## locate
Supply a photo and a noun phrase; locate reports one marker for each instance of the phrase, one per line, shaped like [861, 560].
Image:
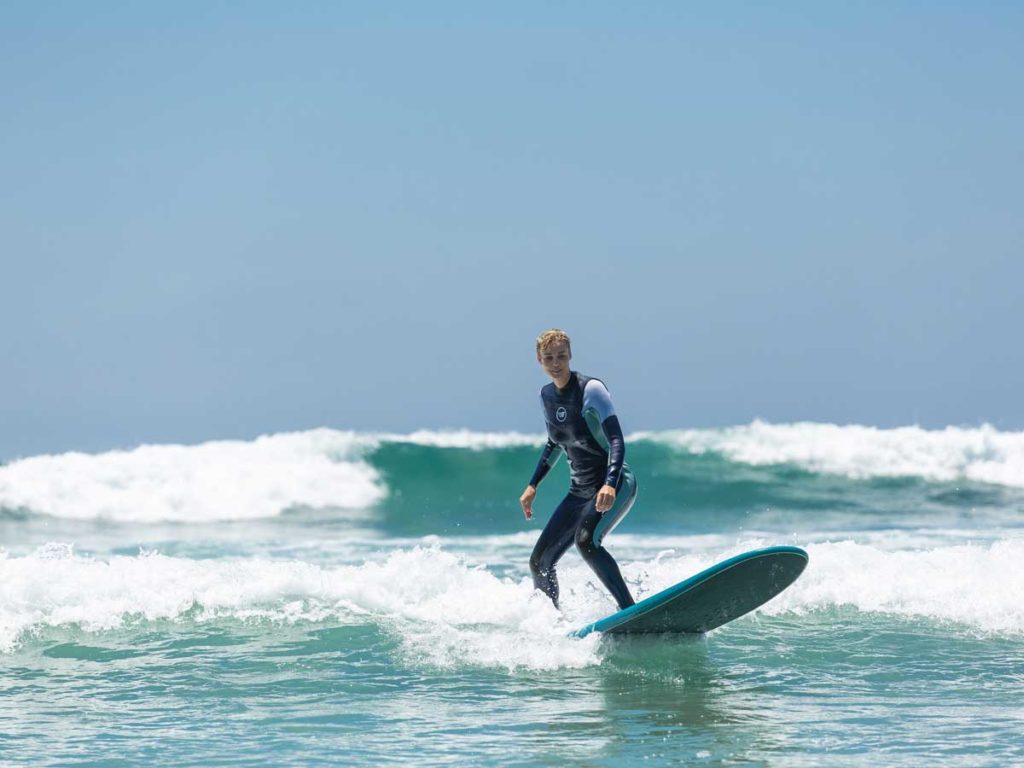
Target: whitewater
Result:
[326, 596]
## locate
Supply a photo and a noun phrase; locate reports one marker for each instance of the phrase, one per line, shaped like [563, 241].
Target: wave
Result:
[446, 609]
[981, 454]
[974, 585]
[978, 586]
[414, 473]
[442, 607]
[220, 480]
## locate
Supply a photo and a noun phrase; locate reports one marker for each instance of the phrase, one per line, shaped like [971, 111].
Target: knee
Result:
[585, 541]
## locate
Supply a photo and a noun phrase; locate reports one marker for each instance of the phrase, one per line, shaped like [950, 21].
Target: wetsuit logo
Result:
[560, 414]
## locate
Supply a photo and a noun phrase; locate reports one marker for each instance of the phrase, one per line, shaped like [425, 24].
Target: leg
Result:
[597, 557]
[554, 540]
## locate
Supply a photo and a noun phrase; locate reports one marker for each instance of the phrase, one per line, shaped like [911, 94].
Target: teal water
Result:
[330, 598]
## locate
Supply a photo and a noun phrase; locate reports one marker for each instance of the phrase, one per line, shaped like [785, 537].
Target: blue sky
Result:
[227, 219]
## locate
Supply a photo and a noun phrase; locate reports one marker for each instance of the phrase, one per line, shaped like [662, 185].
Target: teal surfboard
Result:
[713, 597]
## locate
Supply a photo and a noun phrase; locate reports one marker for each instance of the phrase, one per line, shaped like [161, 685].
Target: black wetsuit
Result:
[581, 422]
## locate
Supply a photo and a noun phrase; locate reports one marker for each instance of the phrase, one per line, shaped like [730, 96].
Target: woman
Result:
[581, 422]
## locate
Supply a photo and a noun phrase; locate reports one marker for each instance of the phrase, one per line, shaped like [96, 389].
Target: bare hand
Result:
[526, 500]
[605, 498]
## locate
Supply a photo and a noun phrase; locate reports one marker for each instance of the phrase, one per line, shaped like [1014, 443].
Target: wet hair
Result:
[553, 336]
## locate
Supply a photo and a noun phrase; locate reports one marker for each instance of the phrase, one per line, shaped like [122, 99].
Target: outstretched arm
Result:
[548, 459]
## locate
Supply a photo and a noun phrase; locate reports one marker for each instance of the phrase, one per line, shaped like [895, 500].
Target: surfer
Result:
[581, 422]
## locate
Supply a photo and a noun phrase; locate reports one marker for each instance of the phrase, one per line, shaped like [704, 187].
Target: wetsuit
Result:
[581, 423]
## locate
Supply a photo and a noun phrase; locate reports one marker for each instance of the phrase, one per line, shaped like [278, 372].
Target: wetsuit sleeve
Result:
[597, 399]
[616, 449]
[548, 459]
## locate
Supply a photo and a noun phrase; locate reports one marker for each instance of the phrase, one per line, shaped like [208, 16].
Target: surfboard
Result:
[711, 598]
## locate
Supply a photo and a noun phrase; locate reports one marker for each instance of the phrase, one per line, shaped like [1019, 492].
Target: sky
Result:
[220, 220]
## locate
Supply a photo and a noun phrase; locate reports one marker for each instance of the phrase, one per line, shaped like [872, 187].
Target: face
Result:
[554, 359]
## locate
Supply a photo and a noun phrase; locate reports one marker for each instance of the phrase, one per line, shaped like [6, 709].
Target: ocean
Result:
[332, 597]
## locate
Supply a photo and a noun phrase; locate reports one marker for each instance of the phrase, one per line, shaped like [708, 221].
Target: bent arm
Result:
[616, 450]
[597, 400]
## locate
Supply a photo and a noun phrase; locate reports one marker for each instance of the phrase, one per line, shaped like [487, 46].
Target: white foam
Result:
[444, 610]
[977, 586]
[220, 480]
[447, 610]
[983, 454]
[464, 438]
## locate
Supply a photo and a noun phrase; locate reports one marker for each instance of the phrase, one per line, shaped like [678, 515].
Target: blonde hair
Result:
[553, 336]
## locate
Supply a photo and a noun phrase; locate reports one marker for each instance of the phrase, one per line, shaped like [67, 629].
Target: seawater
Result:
[331, 597]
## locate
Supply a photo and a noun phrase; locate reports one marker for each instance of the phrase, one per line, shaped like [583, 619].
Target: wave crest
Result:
[325, 468]
[220, 480]
[982, 454]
